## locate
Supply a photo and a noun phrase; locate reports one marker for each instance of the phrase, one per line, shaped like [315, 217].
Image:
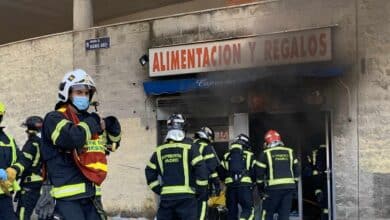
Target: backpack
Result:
[236, 163]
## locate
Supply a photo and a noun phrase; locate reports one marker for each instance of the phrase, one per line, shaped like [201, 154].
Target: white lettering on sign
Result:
[287, 48]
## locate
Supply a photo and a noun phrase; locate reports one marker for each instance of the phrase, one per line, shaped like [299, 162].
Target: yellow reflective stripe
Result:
[314, 157]
[159, 160]
[263, 214]
[202, 146]
[20, 166]
[246, 179]
[281, 181]
[37, 155]
[203, 212]
[290, 153]
[202, 182]
[21, 213]
[152, 165]
[174, 145]
[176, 190]
[186, 168]
[325, 211]
[248, 160]
[114, 138]
[315, 172]
[166, 146]
[12, 145]
[196, 160]
[154, 184]
[259, 181]
[209, 156]
[34, 178]
[68, 190]
[228, 180]
[57, 130]
[98, 190]
[28, 156]
[260, 164]
[295, 161]
[252, 214]
[271, 170]
[238, 146]
[214, 175]
[98, 166]
[317, 191]
[87, 130]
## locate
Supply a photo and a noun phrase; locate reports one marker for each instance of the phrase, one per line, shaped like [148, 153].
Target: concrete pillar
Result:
[82, 14]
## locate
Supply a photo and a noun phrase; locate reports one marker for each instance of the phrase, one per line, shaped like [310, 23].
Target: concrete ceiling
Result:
[22, 19]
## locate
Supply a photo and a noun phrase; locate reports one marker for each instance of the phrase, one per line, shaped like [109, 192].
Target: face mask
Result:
[81, 102]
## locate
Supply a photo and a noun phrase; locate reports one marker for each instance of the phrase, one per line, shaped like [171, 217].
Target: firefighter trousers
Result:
[26, 202]
[177, 209]
[80, 209]
[6, 208]
[240, 195]
[277, 201]
[202, 206]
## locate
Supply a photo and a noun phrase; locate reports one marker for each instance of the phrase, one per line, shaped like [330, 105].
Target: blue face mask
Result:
[81, 102]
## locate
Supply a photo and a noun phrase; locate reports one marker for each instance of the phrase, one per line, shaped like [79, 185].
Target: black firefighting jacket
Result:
[11, 156]
[32, 175]
[278, 168]
[248, 175]
[207, 151]
[181, 169]
[59, 137]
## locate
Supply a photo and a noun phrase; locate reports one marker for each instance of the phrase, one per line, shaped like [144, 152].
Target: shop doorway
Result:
[304, 132]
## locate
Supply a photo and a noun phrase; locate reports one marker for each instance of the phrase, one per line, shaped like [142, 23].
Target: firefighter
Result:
[204, 139]
[238, 174]
[278, 172]
[12, 165]
[317, 160]
[74, 149]
[31, 180]
[182, 172]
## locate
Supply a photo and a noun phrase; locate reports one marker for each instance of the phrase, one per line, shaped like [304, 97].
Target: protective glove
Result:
[3, 175]
[11, 174]
[46, 203]
[112, 125]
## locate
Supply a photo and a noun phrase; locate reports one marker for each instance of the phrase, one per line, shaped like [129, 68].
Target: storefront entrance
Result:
[304, 132]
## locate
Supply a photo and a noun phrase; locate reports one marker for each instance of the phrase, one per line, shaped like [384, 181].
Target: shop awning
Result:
[160, 87]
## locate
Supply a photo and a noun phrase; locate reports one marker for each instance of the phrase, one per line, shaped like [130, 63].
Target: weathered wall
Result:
[29, 75]
[374, 109]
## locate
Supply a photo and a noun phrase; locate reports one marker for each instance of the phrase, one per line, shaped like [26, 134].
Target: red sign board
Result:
[268, 50]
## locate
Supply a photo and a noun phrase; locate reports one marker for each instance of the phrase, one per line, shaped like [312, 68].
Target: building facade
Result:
[335, 85]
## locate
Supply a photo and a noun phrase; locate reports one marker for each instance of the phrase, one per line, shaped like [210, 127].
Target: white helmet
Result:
[75, 78]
